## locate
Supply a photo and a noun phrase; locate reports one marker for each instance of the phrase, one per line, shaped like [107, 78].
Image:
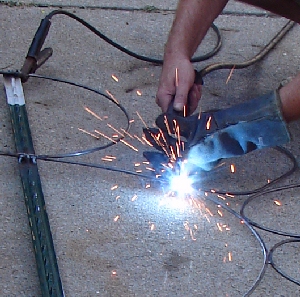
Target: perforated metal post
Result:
[34, 199]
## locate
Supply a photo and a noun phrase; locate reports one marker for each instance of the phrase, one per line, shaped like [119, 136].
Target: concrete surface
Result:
[129, 240]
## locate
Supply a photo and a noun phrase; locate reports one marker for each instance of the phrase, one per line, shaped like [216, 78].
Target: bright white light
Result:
[181, 184]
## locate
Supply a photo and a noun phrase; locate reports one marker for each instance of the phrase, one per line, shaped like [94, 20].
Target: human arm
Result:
[193, 19]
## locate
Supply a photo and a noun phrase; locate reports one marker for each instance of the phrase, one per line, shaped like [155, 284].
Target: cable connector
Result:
[35, 56]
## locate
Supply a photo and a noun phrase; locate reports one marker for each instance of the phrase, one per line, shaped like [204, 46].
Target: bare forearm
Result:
[193, 19]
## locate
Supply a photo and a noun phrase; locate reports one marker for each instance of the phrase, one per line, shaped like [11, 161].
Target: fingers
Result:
[164, 98]
[177, 82]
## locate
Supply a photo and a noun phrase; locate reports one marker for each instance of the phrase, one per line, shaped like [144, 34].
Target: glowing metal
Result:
[91, 134]
[141, 119]
[114, 78]
[112, 97]
[93, 113]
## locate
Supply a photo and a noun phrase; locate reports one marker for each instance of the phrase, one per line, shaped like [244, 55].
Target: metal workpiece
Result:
[32, 188]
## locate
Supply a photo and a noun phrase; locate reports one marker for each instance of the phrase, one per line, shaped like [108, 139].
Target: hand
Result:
[177, 81]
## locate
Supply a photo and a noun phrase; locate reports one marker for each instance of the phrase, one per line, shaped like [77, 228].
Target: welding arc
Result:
[204, 72]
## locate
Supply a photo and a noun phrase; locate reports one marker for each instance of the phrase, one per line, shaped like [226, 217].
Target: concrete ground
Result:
[113, 235]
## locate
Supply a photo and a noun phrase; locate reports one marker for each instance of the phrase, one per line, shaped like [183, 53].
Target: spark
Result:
[147, 142]
[91, 134]
[221, 197]
[177, 130]
[93, 113]
[152, 227]
[184, 111]
[176, 77]
[229, 195]
[207, 218]
[114, 273]
[199, 114]
[141, 119]
[118, 197]
[107, 159]
[229, 257]
[182, 145]
[208, 123]
[230, 74]
[167, 125]
[129, 145]
[134, 198]
[110, 139]
[158, 142]
[148, 186]
[220, 213]
[192, 235]
[116, 218]
[219, 227]
[178, 149]
[232, 168]
[121, 140]
[114, 187]
[209, 212]
[137, 164]
[112, 97]
[139, 93]
[139, 139]
[110, 157]
[114, 78]
[151, 169]
[277, 202]
[139, 171]
[116, 130]
[127, 133]
[172, 153]
[165, 142]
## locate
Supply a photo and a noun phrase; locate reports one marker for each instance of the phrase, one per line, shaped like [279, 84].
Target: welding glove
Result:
[238, 130]
[227, 133]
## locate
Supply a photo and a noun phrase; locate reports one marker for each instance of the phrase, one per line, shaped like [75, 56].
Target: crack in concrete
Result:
[146, 9]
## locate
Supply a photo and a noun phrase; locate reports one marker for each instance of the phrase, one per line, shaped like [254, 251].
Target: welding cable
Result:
[260, 226]
[99, 92]
[204, 57]
[51, 157]
[203, 72]
[275, 266]
[266, 49]
[254, 233]
[258, 192]
[289, 172]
